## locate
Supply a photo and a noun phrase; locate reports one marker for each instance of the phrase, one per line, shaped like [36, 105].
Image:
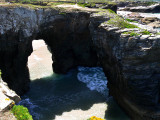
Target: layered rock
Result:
[149, 9]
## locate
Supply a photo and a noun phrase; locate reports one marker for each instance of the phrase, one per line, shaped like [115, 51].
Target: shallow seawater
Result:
[77, 95]
[79, 89]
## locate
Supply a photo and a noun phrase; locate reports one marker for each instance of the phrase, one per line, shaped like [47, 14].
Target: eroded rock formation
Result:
[80, 38]
[131, 64]
[70, 41]
[67, 35]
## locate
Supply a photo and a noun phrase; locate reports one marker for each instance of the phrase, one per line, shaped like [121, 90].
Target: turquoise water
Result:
[79, 89]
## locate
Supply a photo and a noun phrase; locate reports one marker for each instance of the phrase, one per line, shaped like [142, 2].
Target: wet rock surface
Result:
[131, 63]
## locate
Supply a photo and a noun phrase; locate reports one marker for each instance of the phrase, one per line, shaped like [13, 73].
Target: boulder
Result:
[148, 20]
[155, 24]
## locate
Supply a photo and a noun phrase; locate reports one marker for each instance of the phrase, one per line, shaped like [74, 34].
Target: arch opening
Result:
[61, 93]
[60, 96]
[40, 61]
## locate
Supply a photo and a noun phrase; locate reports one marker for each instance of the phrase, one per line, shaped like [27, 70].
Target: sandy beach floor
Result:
[40, 61]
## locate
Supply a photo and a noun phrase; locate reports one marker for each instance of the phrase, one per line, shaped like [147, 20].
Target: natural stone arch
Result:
[70, 41]
[119, 55]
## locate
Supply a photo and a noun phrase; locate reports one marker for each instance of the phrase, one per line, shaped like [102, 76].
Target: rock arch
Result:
[81, 38]
[68, 36]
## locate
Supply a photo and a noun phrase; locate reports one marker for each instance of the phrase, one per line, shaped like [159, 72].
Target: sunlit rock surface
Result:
[8, 97]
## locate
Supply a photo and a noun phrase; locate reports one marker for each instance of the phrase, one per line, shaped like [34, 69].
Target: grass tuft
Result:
[131, 33]
[120, 22]
[111, 11]
[21, 112]
[129, 20]
[145, 32]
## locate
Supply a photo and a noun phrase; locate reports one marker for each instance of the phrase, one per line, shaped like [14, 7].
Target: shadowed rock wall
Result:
[70, 41]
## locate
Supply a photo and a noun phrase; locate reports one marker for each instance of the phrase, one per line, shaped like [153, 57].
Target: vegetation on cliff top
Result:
[141, 32]
[21, 112]
[93, 4]
[120, 22]
[129, 20]
[117, 21]
[145, 32]
[131, 33]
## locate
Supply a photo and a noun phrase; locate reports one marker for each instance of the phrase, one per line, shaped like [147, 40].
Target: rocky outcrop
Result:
[149, 9]
[131, 63]
[155, 24]
[112, 6]
[148, 20]
[19, 26]
[71, 33]
[135, 3]
[8, 97]
[151, 21]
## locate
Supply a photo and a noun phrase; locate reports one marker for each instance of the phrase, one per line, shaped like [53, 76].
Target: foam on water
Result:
[94, 78]
[68, 92]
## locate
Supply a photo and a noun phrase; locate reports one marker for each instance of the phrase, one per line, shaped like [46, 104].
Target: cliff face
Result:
[131, 64]
[80, 38]
[67, 35]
